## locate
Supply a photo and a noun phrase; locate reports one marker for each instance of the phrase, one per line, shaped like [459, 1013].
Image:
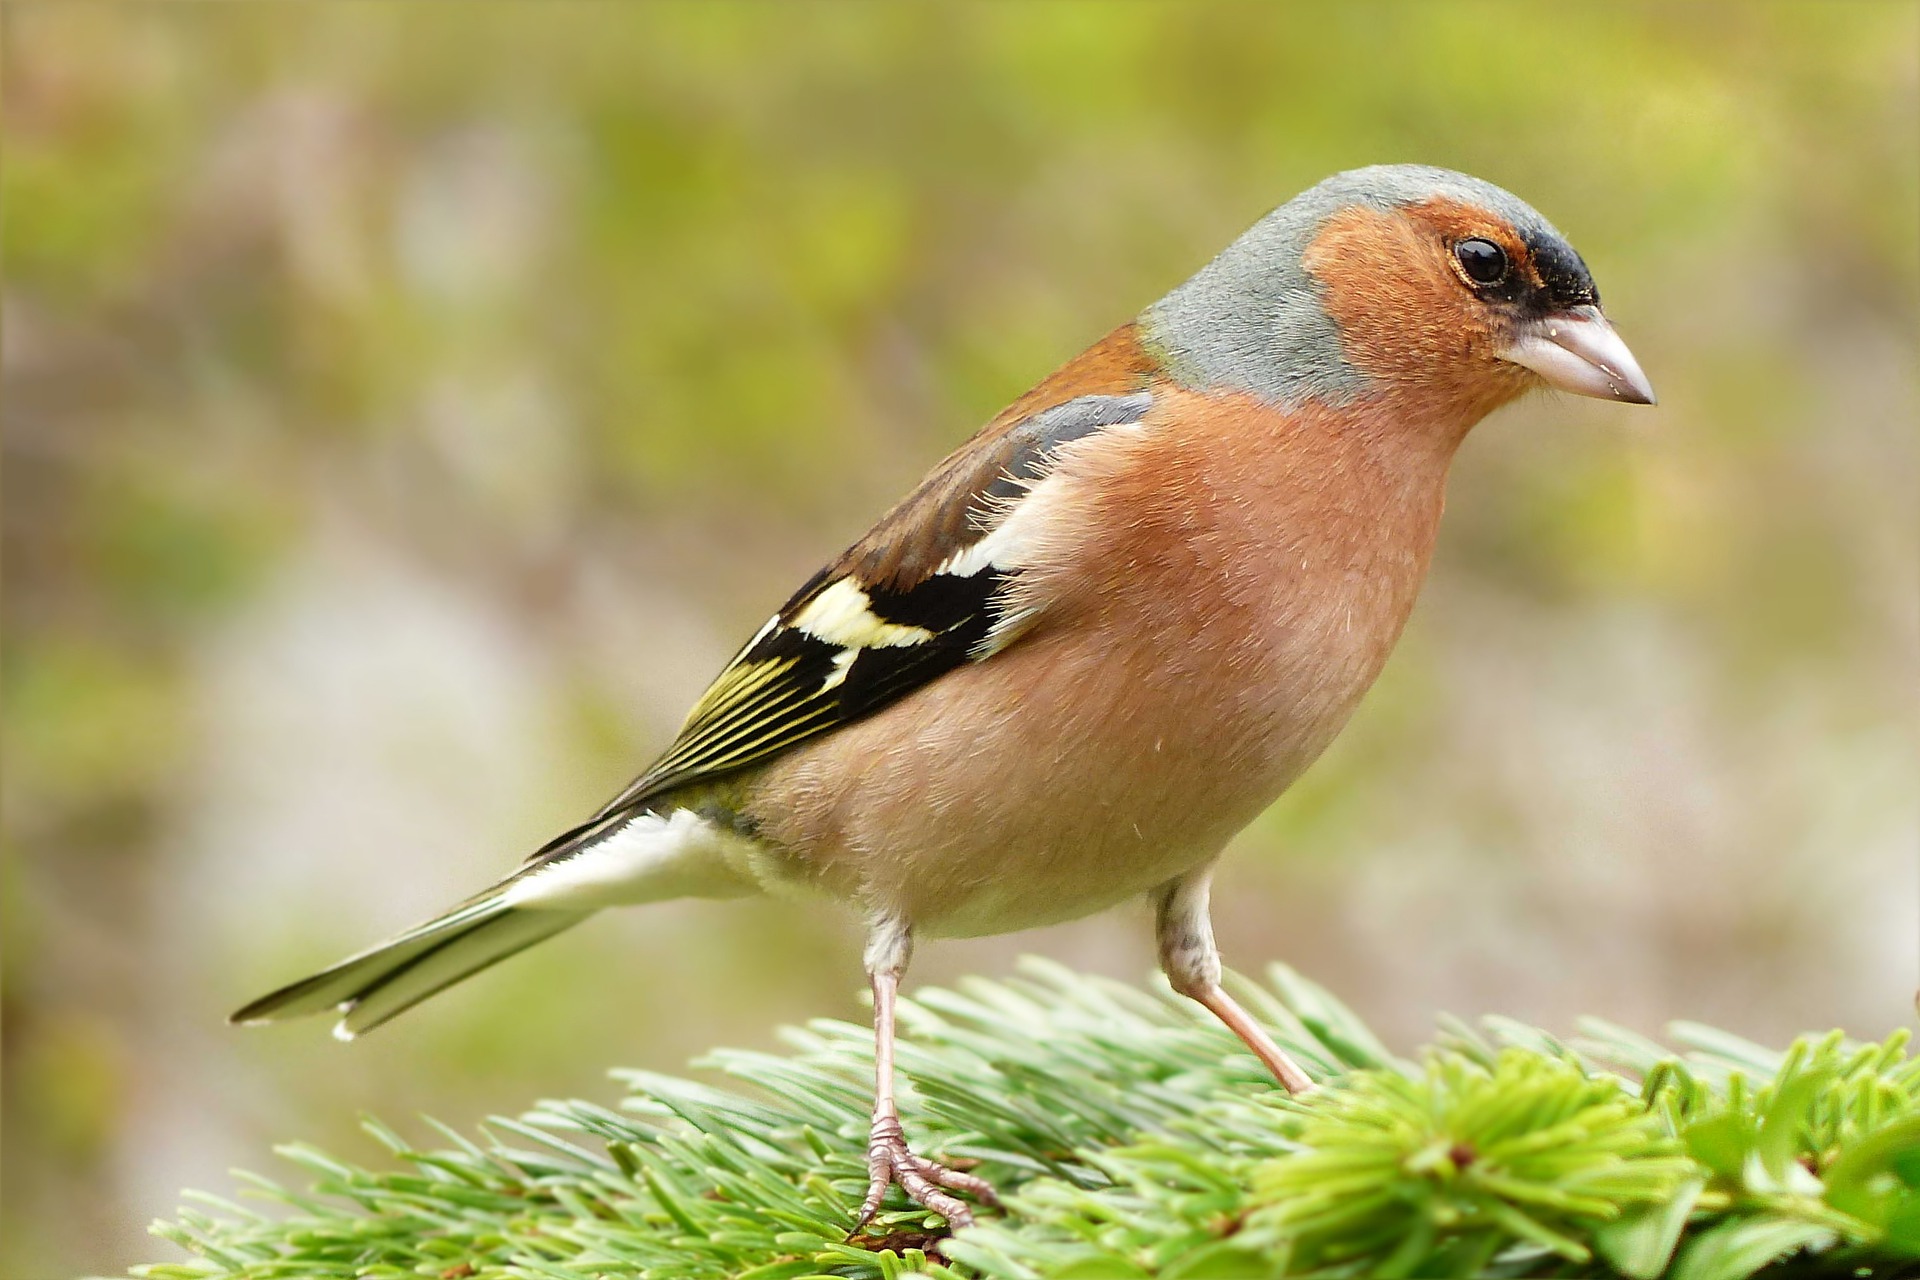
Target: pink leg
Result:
[1192, 965]
[889, 1159]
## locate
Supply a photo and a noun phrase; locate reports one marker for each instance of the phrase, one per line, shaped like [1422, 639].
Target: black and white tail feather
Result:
[384, 981]
[928, 589]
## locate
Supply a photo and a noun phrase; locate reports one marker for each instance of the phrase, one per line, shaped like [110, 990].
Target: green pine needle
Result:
[1132, 1137]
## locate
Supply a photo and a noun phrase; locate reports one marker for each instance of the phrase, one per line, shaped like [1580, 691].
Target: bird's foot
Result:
[925, 1182]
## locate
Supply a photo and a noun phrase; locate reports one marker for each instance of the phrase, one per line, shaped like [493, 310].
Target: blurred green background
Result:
[409, 406]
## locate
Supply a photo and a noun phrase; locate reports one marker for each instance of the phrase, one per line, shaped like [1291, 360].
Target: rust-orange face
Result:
[1446, 293]
[1440, 290]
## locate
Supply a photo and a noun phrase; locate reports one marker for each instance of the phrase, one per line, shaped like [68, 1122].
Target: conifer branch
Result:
[1135, 1138]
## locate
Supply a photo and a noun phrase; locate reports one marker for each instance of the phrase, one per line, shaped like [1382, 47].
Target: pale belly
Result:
[1043, 785]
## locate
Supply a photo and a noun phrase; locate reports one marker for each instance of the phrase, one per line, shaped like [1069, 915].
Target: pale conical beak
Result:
[1579, 351]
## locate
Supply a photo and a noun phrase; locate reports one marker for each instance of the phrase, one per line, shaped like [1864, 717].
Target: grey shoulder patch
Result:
[1035, 439]
[854, 638]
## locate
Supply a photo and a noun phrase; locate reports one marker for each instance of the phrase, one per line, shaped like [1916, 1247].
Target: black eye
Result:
[1484, 261]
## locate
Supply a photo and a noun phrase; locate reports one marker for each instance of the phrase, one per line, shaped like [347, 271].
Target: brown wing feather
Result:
[938, 518]
[906, 622]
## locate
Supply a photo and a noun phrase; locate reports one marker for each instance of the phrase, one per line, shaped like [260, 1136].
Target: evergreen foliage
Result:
[1133, 1138]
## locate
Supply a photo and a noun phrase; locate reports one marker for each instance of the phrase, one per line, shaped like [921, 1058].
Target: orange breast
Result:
[1217, 590]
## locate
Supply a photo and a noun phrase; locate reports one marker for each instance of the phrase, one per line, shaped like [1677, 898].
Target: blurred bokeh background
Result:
[409, 406]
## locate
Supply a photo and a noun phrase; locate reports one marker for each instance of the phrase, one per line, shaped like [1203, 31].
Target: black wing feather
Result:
[789, 685]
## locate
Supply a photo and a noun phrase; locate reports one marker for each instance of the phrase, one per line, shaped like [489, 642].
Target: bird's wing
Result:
[923, 592]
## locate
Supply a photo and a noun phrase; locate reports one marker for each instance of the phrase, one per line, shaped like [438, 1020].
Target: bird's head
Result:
[1398, 280]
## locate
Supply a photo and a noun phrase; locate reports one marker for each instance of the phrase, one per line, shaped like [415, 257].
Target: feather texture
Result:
[1102, 634]
[928, 589]
[627, 859]
[389, 979]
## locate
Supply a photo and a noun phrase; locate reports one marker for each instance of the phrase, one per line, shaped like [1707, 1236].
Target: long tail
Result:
[385, 981]
[619, 857]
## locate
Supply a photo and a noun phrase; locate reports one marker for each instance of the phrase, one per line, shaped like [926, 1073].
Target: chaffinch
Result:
[1100, 637]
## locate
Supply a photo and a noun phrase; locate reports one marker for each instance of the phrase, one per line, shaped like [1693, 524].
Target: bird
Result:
[1096, 640]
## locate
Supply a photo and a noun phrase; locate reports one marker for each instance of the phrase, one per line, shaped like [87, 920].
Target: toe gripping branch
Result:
[889, 1160]
[925, 1181]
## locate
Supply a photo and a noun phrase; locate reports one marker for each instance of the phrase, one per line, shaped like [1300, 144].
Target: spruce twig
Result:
[1135, 1138]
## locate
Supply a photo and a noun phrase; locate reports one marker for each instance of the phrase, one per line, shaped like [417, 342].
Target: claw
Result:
[889, 1160]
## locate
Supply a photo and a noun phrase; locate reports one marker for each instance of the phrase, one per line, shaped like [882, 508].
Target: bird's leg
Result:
[888, 1158]
[1192, 965]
